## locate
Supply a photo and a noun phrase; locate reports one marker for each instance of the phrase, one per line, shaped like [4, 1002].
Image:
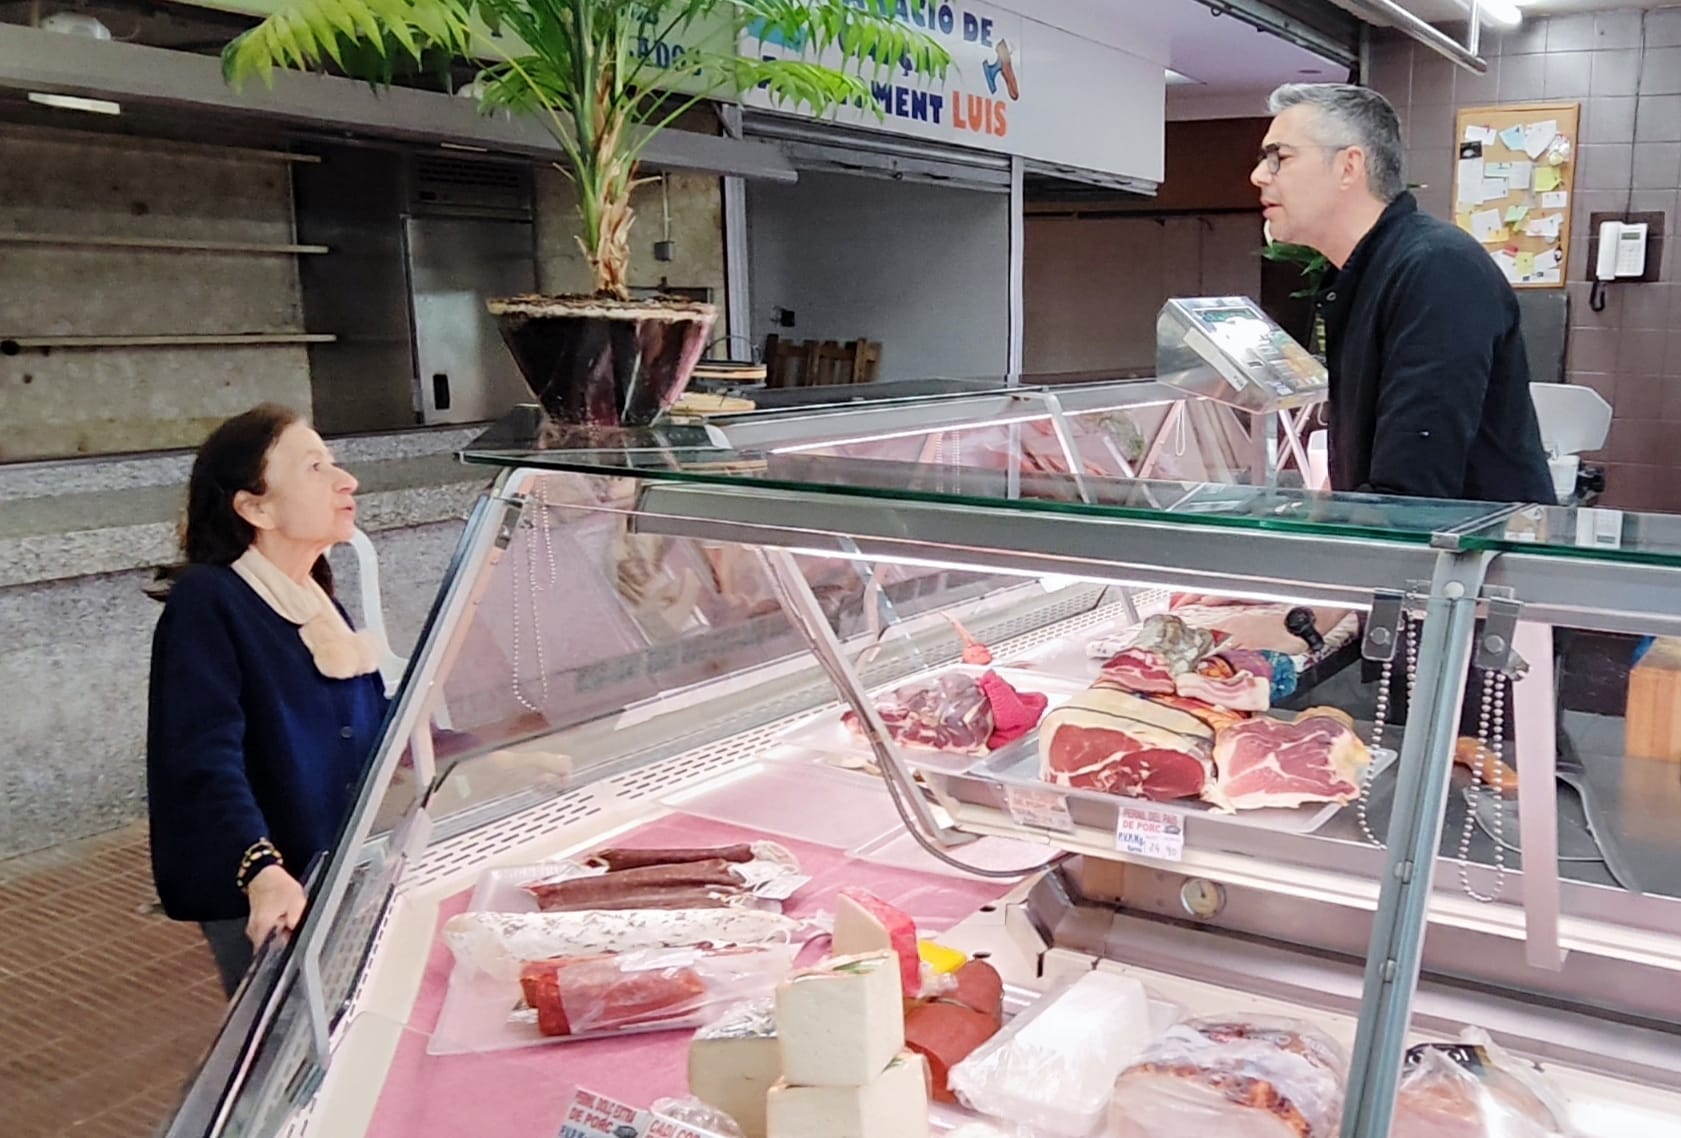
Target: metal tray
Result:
[1018, 765]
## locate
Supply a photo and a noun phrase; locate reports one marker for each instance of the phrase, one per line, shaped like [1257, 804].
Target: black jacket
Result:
[244, 740]
[1429, 388]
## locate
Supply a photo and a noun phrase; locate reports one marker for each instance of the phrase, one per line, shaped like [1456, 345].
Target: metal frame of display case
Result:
[1450, 576]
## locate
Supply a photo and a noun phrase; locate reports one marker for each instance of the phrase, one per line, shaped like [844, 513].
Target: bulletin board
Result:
[1513, 185]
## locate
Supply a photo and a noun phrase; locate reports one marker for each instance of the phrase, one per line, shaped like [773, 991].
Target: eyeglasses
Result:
[1274, 154]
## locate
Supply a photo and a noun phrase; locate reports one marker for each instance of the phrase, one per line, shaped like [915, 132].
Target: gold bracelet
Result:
[261, 851]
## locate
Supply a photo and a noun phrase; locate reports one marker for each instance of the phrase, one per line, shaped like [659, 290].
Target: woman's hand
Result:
[277, 903]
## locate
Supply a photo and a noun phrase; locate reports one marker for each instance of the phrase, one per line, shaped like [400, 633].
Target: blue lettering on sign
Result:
[911, 103]
[663, 54]
[976, 30]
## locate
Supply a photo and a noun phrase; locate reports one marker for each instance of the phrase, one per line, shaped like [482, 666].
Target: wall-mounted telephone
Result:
[1622, 250]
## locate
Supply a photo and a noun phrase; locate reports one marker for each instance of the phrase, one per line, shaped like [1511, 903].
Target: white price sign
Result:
[590, 1115]
[1041, 809]
[1158, 834]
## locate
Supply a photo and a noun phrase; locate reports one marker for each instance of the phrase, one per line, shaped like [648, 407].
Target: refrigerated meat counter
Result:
[671, 644]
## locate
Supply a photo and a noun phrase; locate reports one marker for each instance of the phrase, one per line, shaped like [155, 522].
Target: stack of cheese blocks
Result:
[829, 1059]
[845, 1071]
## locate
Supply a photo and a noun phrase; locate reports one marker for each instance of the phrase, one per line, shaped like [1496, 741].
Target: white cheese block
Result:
[857, 931]
[841, 1023]
[894, 1105]
[734, 1062]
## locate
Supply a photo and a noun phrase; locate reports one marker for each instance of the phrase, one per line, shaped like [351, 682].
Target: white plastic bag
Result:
[1474, 1089]
[1053, 1068]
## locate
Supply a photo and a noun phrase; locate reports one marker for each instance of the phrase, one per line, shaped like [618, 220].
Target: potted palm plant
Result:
[603, 77]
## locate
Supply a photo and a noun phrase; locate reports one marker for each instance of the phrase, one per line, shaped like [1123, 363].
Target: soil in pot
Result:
[604, 363]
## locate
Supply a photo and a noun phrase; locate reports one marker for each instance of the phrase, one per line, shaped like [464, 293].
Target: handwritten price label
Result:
[1158, 834]
[1041, 809]
[590, 1115]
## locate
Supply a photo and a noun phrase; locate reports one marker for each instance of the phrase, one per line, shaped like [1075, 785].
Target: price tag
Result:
[1041, 809]
[1158, 834]
[590, 1115]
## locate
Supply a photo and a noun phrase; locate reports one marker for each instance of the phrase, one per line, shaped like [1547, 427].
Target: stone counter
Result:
[78, 543]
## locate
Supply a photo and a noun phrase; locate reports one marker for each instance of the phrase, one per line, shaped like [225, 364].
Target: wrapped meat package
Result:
[1231, 1078]
[655, 990]
[1473, 1089]
[1053, 1068]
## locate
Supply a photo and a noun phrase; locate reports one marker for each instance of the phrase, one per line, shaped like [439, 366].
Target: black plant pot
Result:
[604, 363]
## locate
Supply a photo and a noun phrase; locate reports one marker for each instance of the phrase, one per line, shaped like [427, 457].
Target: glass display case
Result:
[677, 641]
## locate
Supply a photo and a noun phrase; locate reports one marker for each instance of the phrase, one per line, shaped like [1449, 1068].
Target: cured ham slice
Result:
[1116, 743]
[1137, 670]
[1244, 691]
[1267, 762]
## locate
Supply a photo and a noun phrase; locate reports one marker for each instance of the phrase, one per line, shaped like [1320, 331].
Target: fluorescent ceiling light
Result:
[76, 103]
[1175, 79]
[1500, 13]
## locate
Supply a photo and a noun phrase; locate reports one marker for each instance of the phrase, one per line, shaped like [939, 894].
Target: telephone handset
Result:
[1622, 250]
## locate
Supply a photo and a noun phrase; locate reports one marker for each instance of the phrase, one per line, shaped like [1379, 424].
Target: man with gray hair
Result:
[1429, 381]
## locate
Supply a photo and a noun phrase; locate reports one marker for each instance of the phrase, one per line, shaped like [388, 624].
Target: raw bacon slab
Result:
[1244, 691]
[1115, 743]
[1267, 762]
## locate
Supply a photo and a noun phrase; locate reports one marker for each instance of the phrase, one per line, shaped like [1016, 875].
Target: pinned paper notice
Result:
[1470, 175]
[1547, 227]
[1513, 137]
[1496, 169]
[1485, 225]
[1494, 189]
[1525, 264]
[1522, 173]
[1516, 213]
[1508, 264]
[1558, 199]
[1548, 261]
[1550, 276]
[1546, 180]
[1482, 135]
[1538, 136]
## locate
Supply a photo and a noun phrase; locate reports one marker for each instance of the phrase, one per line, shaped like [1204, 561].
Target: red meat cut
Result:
[950, 714]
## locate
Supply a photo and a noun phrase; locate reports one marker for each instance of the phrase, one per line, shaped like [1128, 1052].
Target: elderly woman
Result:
[264, 704]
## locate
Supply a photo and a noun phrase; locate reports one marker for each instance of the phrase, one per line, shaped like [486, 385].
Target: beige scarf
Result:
[339, 652]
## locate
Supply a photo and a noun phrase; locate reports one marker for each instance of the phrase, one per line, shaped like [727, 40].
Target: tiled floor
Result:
[105, 1006]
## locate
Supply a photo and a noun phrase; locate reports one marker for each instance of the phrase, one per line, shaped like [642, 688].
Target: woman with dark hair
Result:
[264, 705]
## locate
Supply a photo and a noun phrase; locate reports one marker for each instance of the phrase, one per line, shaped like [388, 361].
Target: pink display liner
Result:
[522, 1094]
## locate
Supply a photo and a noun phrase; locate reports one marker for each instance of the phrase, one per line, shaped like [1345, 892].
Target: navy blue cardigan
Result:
[244, 740]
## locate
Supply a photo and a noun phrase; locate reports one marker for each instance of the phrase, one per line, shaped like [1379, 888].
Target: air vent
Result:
[466, 188]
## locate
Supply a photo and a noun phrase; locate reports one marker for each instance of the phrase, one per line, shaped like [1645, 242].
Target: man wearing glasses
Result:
[1429, 392]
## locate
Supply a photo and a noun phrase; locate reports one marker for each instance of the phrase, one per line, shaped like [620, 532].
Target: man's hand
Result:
[277, 903]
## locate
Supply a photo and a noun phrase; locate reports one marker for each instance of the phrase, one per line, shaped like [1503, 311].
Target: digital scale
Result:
[1226, 349]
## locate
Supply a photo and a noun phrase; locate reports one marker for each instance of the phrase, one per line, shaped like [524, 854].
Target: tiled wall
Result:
[1629, 352]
